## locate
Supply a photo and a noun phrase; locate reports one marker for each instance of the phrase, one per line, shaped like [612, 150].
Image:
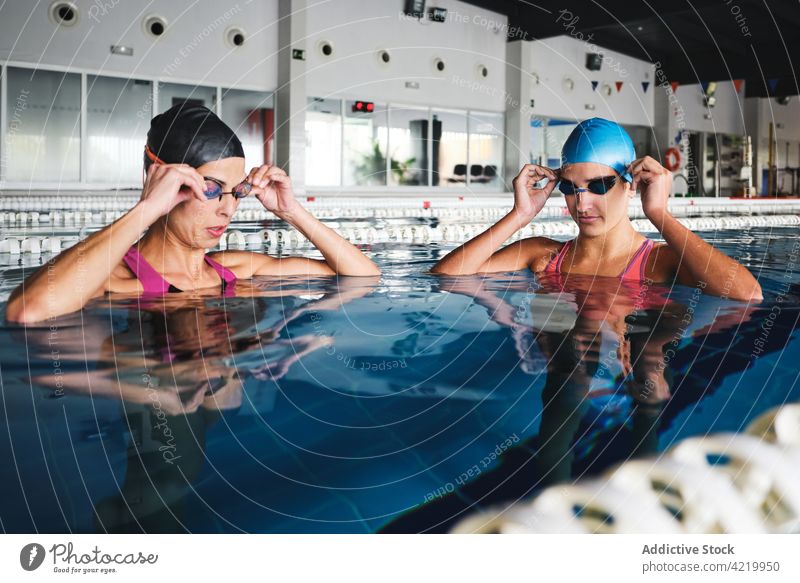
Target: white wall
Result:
[556, 59]
[357, 30]
[193, 48]
[726, 117]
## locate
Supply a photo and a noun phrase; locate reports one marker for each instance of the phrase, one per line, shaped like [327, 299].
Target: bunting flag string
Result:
[773, 84]
[645, 85]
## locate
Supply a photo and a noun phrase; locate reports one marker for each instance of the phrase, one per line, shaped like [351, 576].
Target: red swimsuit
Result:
[644, 293]
[634, 271]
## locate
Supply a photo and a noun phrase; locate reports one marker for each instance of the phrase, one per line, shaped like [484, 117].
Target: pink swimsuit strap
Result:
[634, 270]
[153, 282]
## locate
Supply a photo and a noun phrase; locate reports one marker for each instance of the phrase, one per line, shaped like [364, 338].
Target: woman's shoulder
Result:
[541, 250]
[542, 244]
[122, 280]
[663, 263]
[242, 263]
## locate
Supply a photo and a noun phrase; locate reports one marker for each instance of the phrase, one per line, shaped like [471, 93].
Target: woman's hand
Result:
[273, 188]
[656, 184]
[168, 185]
[529, 201]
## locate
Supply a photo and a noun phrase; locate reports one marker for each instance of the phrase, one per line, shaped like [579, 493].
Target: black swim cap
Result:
[191, 134]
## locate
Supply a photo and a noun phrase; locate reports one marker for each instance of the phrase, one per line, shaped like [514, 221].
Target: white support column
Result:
[3, 105]
[290, 97]
[84, 137]
[519, 67]
[154, 109]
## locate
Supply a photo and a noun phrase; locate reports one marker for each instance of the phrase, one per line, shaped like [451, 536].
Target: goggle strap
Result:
[153, 158]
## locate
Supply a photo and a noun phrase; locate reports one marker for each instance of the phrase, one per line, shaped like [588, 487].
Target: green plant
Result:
[371, 168]
[399, 169]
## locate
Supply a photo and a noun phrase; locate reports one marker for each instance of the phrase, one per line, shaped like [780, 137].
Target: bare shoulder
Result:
[541, 250]
[242, 263]
[121, 280]
[663, 263]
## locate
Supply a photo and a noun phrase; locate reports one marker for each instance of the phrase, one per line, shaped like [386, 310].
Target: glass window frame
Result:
[155, 81]
[430, 110]
[82, 183]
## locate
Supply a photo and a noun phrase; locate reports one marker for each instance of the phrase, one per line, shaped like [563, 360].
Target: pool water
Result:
[398, 404]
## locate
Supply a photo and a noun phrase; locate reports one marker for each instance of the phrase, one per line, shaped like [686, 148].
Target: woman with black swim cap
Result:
[195, 176]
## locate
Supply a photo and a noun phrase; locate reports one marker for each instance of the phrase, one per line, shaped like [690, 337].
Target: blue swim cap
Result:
[601, 141]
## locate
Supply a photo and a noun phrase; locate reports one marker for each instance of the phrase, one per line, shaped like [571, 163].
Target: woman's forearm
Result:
[721, 275]
[65, 283]
[341, 255]
[469, 257]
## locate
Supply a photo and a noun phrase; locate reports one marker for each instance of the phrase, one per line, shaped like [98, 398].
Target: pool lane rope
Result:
[67, 209]
[722, 483]
[272, 239]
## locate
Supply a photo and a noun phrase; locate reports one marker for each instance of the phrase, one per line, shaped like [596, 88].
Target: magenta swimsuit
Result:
[154, 283]
[155, 286]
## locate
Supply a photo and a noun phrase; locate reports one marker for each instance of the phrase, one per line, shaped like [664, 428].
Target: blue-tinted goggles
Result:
[213, 190]
[597, 186]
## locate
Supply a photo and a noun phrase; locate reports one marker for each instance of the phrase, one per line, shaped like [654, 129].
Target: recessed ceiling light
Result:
[121, 50]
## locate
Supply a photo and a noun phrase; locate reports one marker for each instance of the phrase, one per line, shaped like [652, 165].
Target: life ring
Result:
[672, 159]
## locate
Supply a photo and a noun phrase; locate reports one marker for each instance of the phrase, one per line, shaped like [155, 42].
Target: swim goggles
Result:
[213, 189]
[597, 186]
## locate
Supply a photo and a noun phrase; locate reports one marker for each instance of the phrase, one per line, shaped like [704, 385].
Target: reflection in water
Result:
[176, 365]
[336, 405]
[604, 346]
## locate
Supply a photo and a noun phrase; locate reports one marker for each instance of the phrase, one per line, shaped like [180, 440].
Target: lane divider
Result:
[722, 483]
[445, 233]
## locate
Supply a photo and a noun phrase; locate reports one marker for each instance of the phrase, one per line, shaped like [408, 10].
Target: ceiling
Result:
[695, 41]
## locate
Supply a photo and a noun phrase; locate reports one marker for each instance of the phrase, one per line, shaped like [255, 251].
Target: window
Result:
[41, 140]
[408, 146]
[170, 94]
[424, 147]
[43, 128]
[323, 142]
[538, 146]
[118, 113]
[450, 149]
[364, 146]
[555, 134]
[251, 115]
[486, 149]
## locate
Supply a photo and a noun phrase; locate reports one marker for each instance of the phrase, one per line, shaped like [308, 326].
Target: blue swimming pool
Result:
[394, 405]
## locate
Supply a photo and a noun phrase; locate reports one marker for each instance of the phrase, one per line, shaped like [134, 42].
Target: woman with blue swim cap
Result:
[598, 176]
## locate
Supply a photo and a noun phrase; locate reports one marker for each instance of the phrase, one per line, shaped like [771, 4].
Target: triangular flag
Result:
[737, 84]
[704, 86]
[645, 85]
[619, 86]
[674, 86]
[773, 84]
[594, 85]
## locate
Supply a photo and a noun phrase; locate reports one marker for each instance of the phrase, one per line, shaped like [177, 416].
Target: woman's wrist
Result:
[145, 212]
[657, 217]
[293, 214]
[522, 218]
